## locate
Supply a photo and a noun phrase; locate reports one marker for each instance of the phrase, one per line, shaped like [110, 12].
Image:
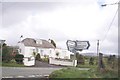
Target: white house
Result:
[43, 47]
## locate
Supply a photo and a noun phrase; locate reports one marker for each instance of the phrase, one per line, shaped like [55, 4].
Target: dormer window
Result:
[38, 41]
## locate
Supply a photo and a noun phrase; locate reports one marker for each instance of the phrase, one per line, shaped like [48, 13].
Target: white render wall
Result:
[21, 48]
[46, 51]
[30, 62]
[29, 51]
[62, 62]
[64, 54]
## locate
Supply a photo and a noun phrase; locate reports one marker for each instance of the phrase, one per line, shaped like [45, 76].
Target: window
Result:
[50, 51]
[29, 59]
[38, 41]
[33, 50]
[41, 52]
[20, 50]
[36, 49]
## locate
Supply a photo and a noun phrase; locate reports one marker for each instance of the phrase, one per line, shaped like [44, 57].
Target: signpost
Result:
[71, 45]
[77, 45]
[74, 46]
[82, 45]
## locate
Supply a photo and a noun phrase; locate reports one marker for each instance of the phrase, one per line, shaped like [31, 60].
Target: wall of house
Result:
[45, 52]
[29, 60]
[29, 51]
[64, 54]
[21, 48]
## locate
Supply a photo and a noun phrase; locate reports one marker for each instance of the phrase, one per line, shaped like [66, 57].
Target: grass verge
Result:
[76, 73]
[12, 64]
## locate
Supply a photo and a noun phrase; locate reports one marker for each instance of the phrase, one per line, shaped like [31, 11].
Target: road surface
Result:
[29, 72]
[26, 72]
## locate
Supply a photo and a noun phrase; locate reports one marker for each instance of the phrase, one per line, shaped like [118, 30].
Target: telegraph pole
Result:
[97, 47]
[97, 53]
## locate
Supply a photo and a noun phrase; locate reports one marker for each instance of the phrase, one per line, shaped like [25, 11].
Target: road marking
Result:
[31, 76]
[20, 76]
[46, 75]
[38, 75]
[8, 77]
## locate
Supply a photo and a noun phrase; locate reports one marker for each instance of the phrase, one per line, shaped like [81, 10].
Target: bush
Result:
[111, 61]
[19, 58]
[91, 61]
[80, 59]
[45, 60]
[38, 57]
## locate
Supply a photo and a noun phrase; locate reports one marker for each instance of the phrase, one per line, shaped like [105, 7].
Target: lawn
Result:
[12, 64]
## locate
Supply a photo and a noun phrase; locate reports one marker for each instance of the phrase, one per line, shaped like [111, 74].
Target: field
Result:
[111, 71]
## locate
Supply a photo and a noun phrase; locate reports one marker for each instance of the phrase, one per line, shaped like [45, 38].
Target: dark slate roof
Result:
[32, 43]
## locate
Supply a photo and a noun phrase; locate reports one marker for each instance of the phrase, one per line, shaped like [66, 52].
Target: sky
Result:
[83, 20]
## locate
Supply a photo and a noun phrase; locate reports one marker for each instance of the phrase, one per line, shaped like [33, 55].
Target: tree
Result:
[6, 53]
[57, 54]
[53, 43]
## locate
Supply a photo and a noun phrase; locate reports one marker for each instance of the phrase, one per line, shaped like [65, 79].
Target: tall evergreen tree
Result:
[53, 42]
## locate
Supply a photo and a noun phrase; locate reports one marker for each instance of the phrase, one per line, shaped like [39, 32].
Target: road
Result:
[29, 72]
[26, 72]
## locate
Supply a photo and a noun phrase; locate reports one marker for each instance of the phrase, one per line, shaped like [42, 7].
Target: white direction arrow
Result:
[71, 43]
[82, 45]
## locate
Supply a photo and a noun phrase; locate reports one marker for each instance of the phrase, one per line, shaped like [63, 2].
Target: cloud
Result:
[60, 21]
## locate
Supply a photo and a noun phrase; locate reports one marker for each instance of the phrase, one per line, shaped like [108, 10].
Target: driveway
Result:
[44, 64]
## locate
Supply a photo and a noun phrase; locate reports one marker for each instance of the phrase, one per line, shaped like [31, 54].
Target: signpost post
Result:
[74, 46]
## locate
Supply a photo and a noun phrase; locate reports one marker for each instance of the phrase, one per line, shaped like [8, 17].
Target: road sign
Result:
[77, 45]
[71, 45]
[82, 45]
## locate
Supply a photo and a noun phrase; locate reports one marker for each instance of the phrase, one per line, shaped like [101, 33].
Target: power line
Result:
[109, 26]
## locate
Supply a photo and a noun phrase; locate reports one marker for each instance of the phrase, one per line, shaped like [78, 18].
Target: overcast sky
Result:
[61, 21]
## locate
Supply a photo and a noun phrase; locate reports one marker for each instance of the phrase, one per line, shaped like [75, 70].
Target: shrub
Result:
[112, 61]
[45, 60]
[91, 61]
[80, 59]
[38, 57]
[19, 58]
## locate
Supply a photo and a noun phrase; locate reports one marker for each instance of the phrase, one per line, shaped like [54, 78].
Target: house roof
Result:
[32, 43]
